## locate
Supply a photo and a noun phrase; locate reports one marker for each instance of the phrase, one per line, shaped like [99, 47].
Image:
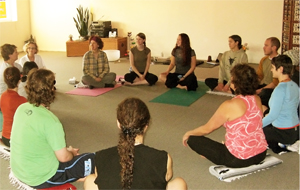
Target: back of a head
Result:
[285, 62]
[245, 79]
[28, 65]
[40, 87]
[133, 116]
[11, 77]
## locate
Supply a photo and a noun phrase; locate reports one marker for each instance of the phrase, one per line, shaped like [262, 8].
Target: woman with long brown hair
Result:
[184, 59]
[131, 164]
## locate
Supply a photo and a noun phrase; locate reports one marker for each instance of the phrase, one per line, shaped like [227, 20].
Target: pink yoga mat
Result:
[93, 92]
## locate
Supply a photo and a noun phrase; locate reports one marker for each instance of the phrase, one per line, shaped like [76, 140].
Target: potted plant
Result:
[82, 22]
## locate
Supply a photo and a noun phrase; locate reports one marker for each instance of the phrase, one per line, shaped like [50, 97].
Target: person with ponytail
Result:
[140, 59]
[131, 164]
[230, 58]
[26, 68]
[184, 59]
[10, 101]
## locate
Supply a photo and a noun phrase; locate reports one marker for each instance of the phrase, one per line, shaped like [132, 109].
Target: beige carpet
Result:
[90, 124]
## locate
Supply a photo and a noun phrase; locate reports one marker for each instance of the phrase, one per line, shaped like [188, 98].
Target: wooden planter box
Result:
[79, 48]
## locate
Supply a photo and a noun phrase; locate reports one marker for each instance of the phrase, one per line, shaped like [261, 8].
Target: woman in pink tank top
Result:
[241, 116]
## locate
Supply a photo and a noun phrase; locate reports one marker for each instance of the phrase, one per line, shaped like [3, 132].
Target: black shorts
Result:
[79, 167]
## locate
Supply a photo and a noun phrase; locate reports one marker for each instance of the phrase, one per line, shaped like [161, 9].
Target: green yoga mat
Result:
[176, 96]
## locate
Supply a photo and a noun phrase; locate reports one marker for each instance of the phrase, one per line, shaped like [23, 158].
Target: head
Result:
[235, 41]
[183, 42]
[271, 46]
[96, 42]
[40, 87]
[31, 48]
[282, 64]
[133, 118]
[12, 77]
[244, 79]
[26, 68]
[141, 39]
[9, 52]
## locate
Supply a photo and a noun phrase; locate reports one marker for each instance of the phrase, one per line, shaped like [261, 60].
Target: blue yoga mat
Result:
[176, 96]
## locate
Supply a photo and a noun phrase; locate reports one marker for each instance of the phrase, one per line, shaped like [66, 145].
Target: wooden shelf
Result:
[79, 48]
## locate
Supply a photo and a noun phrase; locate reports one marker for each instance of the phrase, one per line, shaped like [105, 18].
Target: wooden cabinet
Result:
[290, 25]
[79, 48]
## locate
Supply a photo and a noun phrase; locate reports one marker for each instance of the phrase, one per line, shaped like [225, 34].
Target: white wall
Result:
[207, 22]
[17, 32]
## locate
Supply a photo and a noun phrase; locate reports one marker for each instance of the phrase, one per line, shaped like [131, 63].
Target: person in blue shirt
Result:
[281, 124]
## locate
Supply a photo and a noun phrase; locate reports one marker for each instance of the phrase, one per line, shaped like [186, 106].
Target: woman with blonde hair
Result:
[31, 50]
[131, 164]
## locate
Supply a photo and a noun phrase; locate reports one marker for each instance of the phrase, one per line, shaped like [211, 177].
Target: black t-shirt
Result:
[149, 169]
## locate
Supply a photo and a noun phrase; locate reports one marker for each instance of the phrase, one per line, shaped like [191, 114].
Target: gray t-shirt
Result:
[140, 58]
[181, 69]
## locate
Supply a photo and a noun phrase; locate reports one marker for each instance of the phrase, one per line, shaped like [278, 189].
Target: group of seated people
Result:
[36, 136]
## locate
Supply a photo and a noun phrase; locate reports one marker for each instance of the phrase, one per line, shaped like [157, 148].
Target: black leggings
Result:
[150, 78]
[284, 136]
[212, 83]
[219, 154]
[190, 81]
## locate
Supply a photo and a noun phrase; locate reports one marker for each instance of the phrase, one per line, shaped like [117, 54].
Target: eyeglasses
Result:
[31, 48]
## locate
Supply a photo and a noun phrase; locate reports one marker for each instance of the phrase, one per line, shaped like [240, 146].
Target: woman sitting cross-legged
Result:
[96, 71]
[245, 142]
[281, 125]
[184, 59]
[131, 164]
[140, 58]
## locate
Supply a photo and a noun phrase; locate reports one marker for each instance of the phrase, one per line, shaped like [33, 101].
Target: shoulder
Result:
[37, 56]
[147, 50]
[193, 52]
[151, 151]
[107, 151]
[263, 59]
[133, 49]
[24, 58]
[18, 66]
[87, 53]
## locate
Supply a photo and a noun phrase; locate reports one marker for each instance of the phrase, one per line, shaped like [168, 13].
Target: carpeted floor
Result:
[90, 125]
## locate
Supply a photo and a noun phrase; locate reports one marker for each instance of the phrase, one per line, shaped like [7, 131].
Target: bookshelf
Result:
[290, 25]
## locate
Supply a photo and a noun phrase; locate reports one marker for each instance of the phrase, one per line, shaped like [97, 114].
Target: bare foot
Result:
[203, 157]
[181, 87]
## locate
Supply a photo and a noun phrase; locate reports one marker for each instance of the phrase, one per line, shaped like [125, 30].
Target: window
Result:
[8, 10]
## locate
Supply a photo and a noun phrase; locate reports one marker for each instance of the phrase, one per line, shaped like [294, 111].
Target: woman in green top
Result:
[140, 59]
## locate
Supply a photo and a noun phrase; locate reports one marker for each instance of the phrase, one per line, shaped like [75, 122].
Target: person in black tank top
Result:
[131, 164]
